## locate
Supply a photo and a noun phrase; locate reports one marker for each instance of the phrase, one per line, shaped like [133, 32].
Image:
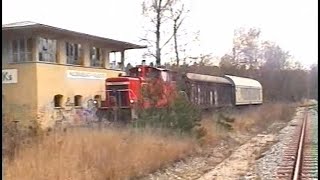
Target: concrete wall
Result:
[20, 99]
[52, 80]
[38, 82]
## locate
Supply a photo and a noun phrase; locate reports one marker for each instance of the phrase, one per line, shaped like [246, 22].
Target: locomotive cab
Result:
[124, 92]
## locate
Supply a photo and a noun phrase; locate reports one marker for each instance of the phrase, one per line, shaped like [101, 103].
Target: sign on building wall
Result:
[9, 76]
[85, 75]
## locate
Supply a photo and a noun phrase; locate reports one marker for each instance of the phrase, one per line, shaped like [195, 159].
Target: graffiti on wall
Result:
[69, 114]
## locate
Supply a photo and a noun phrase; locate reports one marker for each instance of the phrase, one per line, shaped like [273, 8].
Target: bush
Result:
[18, 134]
[180, 116]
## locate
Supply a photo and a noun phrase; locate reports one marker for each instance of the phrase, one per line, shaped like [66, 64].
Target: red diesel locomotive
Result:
[125, 94]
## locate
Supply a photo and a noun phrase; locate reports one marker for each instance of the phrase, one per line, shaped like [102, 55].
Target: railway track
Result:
[301, 154]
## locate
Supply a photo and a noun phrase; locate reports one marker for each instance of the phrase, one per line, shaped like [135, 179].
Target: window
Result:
[58, 100]
[73, 53]
[165, 76]
[95, 57]
[47, 50]
[21, 50]
[78, 100]
[114, 57]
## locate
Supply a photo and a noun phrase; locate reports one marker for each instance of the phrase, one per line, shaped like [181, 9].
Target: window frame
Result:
[49, 51]
[77, 101]
[26, 53]
[97, 52]
[58, 99]
[75, 57]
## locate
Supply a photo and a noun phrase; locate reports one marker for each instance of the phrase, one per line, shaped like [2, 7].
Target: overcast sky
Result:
[293, 24]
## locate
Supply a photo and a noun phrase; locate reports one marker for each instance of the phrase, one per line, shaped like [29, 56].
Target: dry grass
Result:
[87, 154]
[124, 153]
[210, 132]
[262, 116]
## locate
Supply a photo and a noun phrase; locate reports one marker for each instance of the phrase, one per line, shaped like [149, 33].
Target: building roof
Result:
[207, 78]
[240, 81]
[28, 24]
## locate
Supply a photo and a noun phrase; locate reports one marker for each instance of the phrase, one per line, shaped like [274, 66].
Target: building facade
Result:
[54, 75]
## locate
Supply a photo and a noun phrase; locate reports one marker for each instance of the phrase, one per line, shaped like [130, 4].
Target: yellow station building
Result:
[54, 75]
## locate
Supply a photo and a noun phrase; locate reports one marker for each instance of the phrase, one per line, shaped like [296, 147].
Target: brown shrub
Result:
[262, 116]
[210, 132]
[16, 135]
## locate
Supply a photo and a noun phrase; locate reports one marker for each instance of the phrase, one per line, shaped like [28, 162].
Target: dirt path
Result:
[194, 167]
[240, 161]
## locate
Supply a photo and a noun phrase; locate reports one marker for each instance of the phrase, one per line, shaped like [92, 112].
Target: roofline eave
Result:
[122, 45]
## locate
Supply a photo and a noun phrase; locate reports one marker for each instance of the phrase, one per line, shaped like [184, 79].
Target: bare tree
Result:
[274, 56]
[246, 46]
[157, 11]
[313, 81]
[178, 14]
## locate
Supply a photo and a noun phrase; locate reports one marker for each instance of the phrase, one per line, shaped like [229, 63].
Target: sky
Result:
[292, 24]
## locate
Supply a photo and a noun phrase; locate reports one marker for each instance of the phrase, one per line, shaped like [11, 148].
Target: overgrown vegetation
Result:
[16, 135]
[260, 118]
[180, 116]
[123, 153]
[94, 154]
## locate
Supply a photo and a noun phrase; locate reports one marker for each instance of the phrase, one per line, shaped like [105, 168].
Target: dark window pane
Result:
[22, 45]
[15, 57]
[29, 45]
[14, 46]
[45, 45]
[98, 53]
[67, 48]
[41, 56]
[22, 57]
[76, 51]
[71, 50]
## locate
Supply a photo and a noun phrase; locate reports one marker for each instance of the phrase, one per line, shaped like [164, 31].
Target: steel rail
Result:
[298, 162]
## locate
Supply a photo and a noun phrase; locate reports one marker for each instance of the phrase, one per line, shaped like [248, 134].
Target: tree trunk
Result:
[175, 28]
[158, 50]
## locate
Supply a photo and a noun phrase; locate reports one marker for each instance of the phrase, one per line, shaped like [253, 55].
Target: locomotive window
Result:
[134, 72]
[173, 76]
[153, 74]
[165, 76]
[77, 100]
[58, 100]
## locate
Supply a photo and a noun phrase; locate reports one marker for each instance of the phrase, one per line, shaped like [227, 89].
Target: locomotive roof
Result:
[207, 78]
[241, 81]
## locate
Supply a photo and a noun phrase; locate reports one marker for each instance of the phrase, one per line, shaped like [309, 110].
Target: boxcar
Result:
[208, 91]
[246, 91]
